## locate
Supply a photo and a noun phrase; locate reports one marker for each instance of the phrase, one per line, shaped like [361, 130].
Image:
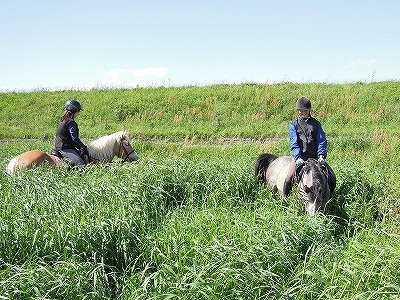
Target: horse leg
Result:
[288, 184]
[331, 178]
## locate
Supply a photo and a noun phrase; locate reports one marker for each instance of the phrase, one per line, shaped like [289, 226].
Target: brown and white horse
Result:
[103, 149]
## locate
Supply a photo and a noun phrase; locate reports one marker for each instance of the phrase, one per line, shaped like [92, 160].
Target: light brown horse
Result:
[103, 149]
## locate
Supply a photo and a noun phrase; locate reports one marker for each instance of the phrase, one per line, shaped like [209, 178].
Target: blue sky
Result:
[60, 44]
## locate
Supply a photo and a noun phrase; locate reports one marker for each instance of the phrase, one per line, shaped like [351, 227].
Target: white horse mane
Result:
[103, 148]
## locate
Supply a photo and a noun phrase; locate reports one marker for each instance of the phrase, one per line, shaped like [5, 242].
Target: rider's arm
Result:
[294, 145]
[74, 135]
[321, 141]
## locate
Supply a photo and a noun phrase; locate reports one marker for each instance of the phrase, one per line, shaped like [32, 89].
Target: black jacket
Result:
[67, 136]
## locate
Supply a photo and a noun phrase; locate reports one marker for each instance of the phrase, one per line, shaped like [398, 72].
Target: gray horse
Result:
[316, 182]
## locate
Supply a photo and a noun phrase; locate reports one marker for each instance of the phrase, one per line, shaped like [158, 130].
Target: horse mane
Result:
[103, 148]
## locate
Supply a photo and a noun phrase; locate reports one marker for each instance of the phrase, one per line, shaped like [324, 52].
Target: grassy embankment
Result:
[187, 220]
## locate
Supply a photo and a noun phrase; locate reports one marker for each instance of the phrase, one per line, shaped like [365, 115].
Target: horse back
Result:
[27, 160]
[33, 157]
[279, 175]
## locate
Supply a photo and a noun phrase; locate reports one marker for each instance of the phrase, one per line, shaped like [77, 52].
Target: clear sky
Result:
[61, 44]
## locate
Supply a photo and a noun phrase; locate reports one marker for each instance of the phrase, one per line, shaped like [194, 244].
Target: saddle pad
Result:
[58, 161]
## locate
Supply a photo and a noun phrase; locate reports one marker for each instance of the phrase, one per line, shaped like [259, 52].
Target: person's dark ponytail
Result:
[67, 115]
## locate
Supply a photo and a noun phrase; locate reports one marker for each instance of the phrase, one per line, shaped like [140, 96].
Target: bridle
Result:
[124, 145]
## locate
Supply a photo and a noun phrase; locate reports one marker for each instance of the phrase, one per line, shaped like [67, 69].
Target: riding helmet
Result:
[72, 105]
[303, 103]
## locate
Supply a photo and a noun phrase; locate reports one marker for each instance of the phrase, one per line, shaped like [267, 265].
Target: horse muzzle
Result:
[310, 208]
[132, 157]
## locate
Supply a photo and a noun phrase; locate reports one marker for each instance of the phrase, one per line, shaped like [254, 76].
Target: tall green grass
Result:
[188, 221]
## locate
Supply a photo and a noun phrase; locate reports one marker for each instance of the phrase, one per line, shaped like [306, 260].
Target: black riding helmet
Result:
[303, 104]
[73, 106]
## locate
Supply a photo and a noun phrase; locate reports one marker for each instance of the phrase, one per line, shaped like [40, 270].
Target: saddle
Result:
[86, 159]
[55, 153]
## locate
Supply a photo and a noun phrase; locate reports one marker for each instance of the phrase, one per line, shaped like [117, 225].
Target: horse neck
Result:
[310, 173]
[104, 149]
[314, 175]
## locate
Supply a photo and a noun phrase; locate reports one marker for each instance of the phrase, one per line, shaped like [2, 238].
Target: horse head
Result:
[313, 186]
[126, 151]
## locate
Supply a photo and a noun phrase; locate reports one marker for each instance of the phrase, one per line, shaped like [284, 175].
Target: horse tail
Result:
[262, 163]
[11, 167]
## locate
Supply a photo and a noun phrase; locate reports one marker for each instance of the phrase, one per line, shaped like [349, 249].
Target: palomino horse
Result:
[103, 149]
[316, 182]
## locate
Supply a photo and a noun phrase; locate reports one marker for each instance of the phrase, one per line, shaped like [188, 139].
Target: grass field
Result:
[188, 221]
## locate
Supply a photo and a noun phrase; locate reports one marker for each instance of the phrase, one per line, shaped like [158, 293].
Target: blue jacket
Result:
[307, 139]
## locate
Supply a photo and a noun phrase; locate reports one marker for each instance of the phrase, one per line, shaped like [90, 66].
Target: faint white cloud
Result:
[115, 72]
[120, 72]
[360, 62]
[115, 83]
[159, 72]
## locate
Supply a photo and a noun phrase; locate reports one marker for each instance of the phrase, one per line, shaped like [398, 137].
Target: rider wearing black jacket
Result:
[67, 141]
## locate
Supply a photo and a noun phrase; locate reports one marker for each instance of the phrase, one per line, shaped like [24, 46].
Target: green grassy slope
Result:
[247, 110]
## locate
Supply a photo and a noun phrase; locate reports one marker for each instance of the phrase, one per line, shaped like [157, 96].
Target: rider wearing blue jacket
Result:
[307, 138]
